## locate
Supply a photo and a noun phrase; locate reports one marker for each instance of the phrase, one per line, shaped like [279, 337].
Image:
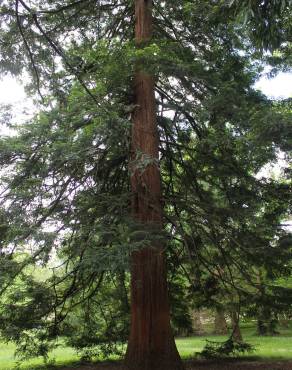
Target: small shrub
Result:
[229, 348]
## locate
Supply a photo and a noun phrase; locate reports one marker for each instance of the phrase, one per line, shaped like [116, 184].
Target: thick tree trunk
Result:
[151, 344]
[220, 324]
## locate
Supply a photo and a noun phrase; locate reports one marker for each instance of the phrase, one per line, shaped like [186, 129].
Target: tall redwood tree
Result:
[68, 166]
[151, 344]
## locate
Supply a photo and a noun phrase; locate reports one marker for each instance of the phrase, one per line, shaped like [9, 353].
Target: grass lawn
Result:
[62, 355]
[271, 348]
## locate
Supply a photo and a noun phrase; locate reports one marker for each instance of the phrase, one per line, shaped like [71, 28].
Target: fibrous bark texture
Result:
[151, 344]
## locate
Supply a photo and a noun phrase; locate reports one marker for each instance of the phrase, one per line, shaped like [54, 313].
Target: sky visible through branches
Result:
[12, 93]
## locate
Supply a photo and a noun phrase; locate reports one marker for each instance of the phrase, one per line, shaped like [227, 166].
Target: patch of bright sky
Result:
[279, 87]
[12, 93]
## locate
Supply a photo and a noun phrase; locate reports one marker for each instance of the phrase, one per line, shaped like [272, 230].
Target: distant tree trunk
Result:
[197, 322]
[272, 326]
[236, 333]
[261, 327]
[266, 322]
[151, 344]
[220, 324]
[284, 321]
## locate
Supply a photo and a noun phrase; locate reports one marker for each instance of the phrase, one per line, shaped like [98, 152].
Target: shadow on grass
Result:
[189, 361]
[71, 365]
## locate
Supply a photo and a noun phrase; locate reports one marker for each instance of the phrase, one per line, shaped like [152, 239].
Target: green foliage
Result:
[269, 20]
[181, 304]
[99, 327]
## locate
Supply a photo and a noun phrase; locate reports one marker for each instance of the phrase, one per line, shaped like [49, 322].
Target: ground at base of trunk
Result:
[202, 365]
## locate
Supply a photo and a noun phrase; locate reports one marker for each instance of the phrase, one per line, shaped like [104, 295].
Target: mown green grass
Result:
[277, 348]
[271, 348]
[61, 356]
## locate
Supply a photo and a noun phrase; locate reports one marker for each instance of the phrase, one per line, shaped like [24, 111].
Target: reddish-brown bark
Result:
[151, 344]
